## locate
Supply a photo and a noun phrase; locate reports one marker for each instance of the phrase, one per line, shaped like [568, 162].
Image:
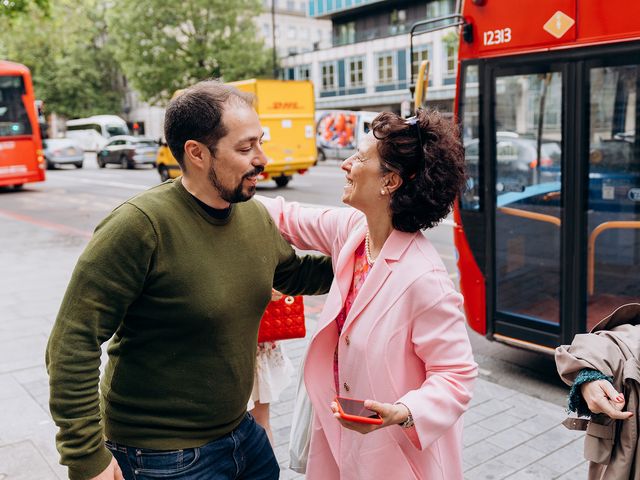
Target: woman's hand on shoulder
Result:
[391, 414]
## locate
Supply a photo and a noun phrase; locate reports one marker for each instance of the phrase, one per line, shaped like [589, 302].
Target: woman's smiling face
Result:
[364, 175]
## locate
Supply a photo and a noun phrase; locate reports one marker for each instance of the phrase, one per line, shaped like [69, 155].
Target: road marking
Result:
[129, 186]
[56, 227]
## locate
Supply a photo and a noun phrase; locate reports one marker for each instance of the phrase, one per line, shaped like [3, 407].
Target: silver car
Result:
[128, 151]
[62, 151]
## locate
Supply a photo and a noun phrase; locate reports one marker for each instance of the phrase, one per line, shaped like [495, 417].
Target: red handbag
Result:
[283, 319]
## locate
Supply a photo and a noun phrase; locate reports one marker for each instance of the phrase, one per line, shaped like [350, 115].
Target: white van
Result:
[339, 131]
[93, 133]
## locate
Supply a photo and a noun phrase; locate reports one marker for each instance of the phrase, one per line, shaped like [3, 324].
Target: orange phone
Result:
[355, 411]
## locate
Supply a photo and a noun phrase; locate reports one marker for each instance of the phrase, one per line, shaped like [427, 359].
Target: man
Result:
[180, 276]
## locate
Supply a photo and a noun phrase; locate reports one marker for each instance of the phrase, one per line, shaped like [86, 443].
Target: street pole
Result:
[273, 37]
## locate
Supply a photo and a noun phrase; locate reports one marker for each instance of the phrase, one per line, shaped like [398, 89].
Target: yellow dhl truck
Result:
[286, 112]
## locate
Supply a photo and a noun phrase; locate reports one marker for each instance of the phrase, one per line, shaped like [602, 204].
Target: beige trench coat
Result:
[613, 348]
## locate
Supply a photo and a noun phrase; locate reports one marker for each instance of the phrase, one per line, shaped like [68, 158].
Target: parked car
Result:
[62, 151]
[128, 151]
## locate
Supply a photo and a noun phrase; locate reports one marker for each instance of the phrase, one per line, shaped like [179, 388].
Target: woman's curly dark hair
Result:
[430, 163]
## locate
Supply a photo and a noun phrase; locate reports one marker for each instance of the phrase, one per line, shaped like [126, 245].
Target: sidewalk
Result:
[507, 434]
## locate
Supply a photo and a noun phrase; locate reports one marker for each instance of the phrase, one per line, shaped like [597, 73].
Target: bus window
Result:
[113, 130]
[470, 108]
[14, 120]
[613, 263]
[528, 191]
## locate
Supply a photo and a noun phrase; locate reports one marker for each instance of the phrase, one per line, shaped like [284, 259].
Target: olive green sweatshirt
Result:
[182, 294]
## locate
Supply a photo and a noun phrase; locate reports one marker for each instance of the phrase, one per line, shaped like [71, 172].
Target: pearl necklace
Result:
[367, 249]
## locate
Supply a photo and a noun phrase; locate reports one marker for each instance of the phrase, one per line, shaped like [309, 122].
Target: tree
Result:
[13, 8]
[164, 46]
[72, 65]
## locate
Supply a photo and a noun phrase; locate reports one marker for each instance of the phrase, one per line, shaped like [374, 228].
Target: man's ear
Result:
[196, 154]
[392, 182]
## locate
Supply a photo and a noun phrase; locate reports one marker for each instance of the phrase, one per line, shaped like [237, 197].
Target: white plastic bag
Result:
[300, 436]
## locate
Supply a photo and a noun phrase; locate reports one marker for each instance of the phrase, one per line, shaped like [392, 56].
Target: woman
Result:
[391, 331]
[602, 367]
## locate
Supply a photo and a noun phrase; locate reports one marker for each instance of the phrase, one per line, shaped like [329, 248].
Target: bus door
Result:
[612, 154]
[524, 144]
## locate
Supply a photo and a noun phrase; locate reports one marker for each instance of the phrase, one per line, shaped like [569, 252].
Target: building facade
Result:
[295, 32]
[367, 66]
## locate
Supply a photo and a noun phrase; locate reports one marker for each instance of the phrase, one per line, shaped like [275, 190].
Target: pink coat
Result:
[404, 340]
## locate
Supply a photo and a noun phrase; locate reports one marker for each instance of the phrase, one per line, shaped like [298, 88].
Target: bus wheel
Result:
[78, 164]
[282, 181]
[164, 173]
[321, 156]
[18, 186]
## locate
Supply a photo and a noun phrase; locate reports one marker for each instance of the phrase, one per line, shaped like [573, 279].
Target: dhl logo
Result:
[286, 106]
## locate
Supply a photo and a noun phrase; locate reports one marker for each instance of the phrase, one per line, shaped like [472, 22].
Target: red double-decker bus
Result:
[21, 156]
[548, 231]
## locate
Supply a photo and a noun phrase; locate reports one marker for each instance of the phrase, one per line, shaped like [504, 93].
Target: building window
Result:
[439, 8]
[266, 30]
[346, 33]
[419, 55]
[450, 47]
[384, 63]
[328, 76]
[303, 72]
[291, 32]
[291, 5]
[397, 22]
[356, 72]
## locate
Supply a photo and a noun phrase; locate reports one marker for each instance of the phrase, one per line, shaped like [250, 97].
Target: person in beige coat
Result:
[603, 368]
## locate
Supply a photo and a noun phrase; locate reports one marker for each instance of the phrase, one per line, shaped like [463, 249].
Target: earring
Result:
[382, 191]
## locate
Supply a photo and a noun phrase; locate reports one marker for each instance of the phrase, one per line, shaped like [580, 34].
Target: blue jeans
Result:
[243, 454]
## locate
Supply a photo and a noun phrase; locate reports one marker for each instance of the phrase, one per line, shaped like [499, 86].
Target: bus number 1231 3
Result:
[496, 37]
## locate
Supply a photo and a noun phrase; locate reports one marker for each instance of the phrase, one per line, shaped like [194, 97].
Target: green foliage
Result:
[73, 68]
[13, 8]
[163, 46]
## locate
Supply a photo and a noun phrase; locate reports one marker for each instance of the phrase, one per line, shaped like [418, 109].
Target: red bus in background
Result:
[548, 231]
[21, 155]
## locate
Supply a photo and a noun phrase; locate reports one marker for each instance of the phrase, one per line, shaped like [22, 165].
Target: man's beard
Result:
[235, 195]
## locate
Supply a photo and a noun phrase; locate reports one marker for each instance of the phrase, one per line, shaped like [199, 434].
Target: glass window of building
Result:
[291, 32]
[440, 8]
[304, 72]
[419, 55]
[356, 71]
[346, 33]
[328, 76]
[266, 30]
[450, 49]
[384, 63]
[291, 5]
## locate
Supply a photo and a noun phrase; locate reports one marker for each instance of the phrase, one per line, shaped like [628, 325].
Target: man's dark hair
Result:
[427, 152]
[196, 114]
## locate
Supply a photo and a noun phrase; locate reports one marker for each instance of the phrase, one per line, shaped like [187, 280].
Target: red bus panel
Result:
[496, 29]
[505, 27]
[21, 157]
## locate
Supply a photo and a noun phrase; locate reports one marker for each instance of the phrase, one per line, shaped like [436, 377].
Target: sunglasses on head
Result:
[414, 121]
